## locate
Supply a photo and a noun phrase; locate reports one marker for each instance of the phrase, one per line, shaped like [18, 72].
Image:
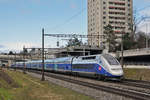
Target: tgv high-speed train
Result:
[101, 66]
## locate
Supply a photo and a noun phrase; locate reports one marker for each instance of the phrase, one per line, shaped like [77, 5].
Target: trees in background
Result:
[10, 53]
[110, 38]
[114, 42]
[74, 42]
[140, 39]
[129, 41]
[136, 39]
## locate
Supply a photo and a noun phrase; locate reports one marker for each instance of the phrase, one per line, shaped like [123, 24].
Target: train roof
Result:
[62, 59]
[95, 55]
[51, 60]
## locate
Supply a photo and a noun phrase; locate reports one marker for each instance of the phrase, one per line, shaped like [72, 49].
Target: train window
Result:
[88, 58]
[111, 60]
[82, 66]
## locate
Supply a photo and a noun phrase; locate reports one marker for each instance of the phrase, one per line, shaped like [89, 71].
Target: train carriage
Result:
[100, 66]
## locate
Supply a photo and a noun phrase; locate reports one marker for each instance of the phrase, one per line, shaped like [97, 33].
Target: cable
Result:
[143, 8]
[68, 20]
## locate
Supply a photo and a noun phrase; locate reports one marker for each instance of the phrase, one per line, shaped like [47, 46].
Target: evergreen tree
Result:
[10, 53]
[74, 42]
[110, 38]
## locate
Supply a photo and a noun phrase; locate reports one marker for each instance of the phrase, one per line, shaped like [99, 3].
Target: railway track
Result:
[135, 83]
[135, 94]
[138, 81]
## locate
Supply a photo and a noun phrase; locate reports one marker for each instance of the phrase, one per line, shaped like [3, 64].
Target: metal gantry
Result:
[74, 35]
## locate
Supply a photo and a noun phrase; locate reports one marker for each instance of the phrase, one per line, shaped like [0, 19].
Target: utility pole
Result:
[15, 61]
[83, 47]
[24, 60]
[43, 78]
[84, 50]
[146, 36]
[122, 50]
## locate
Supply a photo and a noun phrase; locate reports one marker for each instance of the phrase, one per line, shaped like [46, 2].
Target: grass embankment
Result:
[23, 87]
[137, 74]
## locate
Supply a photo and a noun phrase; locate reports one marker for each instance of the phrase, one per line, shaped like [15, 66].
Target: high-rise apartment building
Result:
[117, 13]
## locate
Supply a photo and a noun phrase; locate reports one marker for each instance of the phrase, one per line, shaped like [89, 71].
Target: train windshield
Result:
[111, 60]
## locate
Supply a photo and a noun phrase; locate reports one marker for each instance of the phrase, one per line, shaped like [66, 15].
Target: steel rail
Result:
[136, 84]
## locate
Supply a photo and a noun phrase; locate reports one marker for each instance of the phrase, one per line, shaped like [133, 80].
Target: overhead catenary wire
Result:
[141, 9]
[69, 19]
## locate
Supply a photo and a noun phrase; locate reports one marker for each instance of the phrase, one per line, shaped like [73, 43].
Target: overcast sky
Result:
[21, 21]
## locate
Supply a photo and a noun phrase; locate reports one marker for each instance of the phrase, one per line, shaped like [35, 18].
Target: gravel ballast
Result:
[96, 94]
